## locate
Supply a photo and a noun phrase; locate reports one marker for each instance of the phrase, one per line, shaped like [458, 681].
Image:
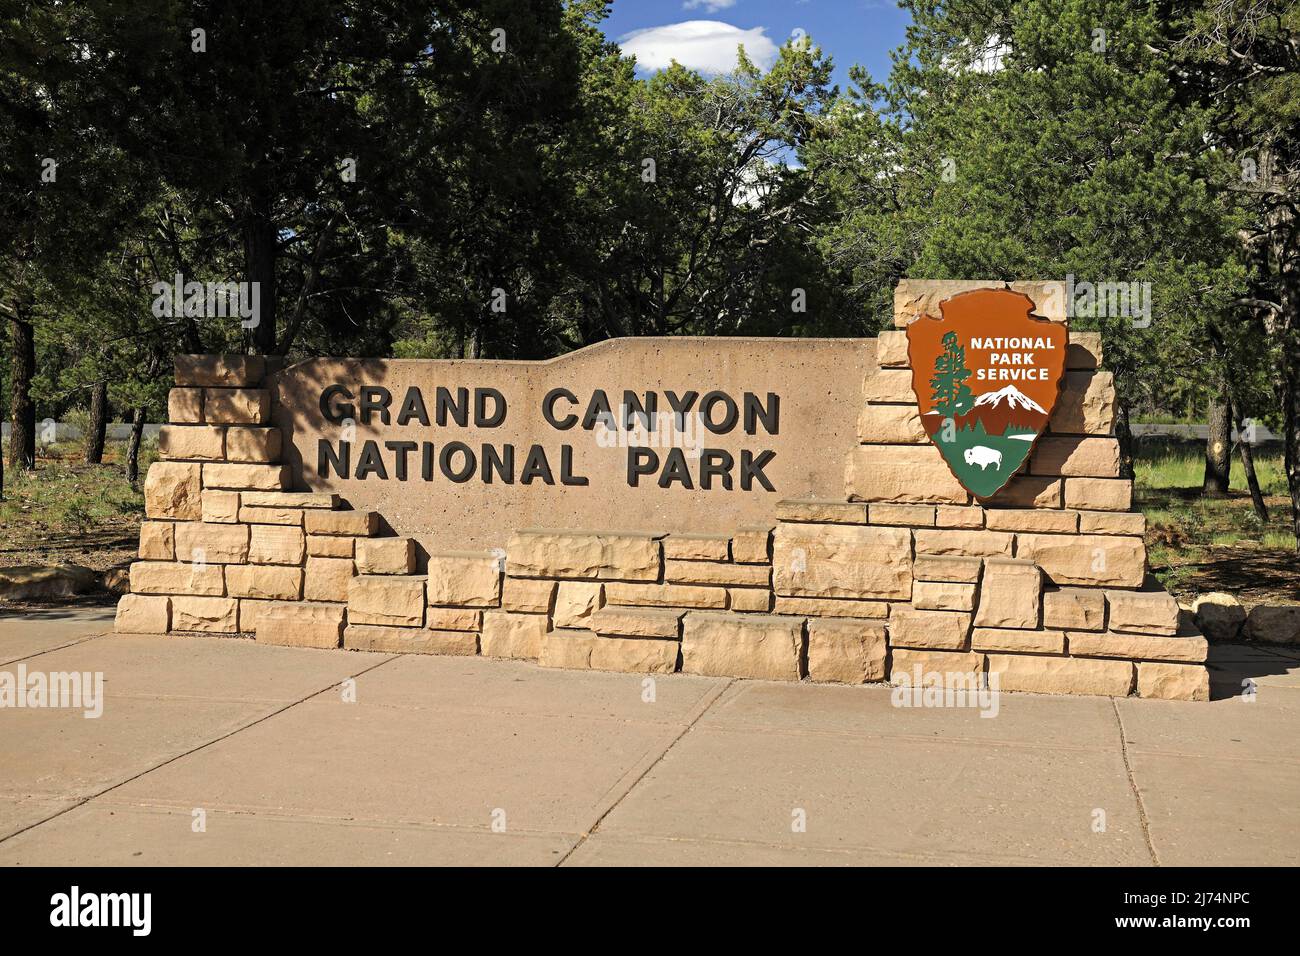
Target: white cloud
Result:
[710, 6]
[705, 45]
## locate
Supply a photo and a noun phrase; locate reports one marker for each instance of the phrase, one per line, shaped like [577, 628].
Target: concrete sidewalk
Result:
[444, 760]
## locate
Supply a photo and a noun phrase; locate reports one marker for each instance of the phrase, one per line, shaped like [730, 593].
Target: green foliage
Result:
[952, 396]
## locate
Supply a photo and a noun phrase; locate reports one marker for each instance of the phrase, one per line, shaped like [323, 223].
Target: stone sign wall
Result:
[865, 560]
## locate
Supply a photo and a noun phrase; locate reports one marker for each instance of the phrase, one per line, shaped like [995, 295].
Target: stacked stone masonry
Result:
[907, 575]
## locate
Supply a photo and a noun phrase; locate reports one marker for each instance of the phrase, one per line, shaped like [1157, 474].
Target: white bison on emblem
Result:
[984, 456]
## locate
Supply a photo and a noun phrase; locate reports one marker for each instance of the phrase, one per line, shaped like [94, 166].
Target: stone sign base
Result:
[905, 578]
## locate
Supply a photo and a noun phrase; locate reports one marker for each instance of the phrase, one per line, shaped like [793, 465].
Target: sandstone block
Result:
[275, 544]
[143, 614]
[453, 619]
[891, 349]
[301, 624]
[185, 406]
[1074, 457]
[697, 547]
[294, 499]
[723, 574]
[842, 561]
[822, 511]
[1218, 616]
[385, 555]
[914, 298]
[921, 516]
[1011, 595]
[760, 646]
[1018, 640]
[220, 370]
[637, 621]
[750, 599]
[330, 546]
[634, 655]
[327, 579]
[1112, 522]
[358, 524]
[569, 649]
[527, 595]
[409, 640]
[846, 651]
[253, 444]
[250, 610]
[1099, 494]
[1147, 612]
[1274, 624]
[201, 442]
[1030, 492]
[947, 567]
[888, 385]
[956, 542]
[1087, 405]
[465, 578]
[890, 425]
[1084, 350]
[1173, 681]
[274, 583]
[608, 556]
[241, 476]
[1074, 609]
[199, 542]
[957, 516]
[237, 406]
[902, 473]
[1061, 675]
[512, 635]
[933, 668]
[940, 630]
[752, 544]
[1086, 558]
[1051, 520]
[220, 507]
[213, 615]
[831, 607]
[386, 599]
[1137, 646]
[943, 596]
[172, 490]
[665, 595]
[576, 602]
[292, 517]
[166, 577]
[158, 541]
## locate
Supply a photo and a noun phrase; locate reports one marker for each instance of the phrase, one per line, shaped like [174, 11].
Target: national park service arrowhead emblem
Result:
[986, 377]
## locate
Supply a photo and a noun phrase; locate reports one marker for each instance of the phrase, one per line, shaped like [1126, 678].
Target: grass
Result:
[69, 511]
[1198, 544]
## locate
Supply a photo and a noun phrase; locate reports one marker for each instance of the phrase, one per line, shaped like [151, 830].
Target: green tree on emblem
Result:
[951, 395]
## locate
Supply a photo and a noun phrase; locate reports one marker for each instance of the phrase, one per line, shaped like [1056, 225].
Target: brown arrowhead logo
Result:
[986, 377]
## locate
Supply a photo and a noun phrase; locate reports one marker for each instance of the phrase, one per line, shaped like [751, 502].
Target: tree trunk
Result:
[22, 437]
[1248, 466]
[98, 424]
[133, 446]
[1124, 435]
[261, 248]
[1218, 445]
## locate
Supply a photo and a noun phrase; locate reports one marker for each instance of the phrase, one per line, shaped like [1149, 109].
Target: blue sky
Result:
[703, 33]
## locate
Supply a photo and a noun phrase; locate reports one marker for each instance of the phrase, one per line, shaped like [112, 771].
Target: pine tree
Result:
[952, 396]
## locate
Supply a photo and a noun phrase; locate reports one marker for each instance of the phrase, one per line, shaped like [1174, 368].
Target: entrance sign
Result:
[687, 434]
[986, 377]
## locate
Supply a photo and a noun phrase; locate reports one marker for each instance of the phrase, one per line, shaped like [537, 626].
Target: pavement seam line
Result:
[193, 750]
[700, 710]
[1132, 785]
[51, 650]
